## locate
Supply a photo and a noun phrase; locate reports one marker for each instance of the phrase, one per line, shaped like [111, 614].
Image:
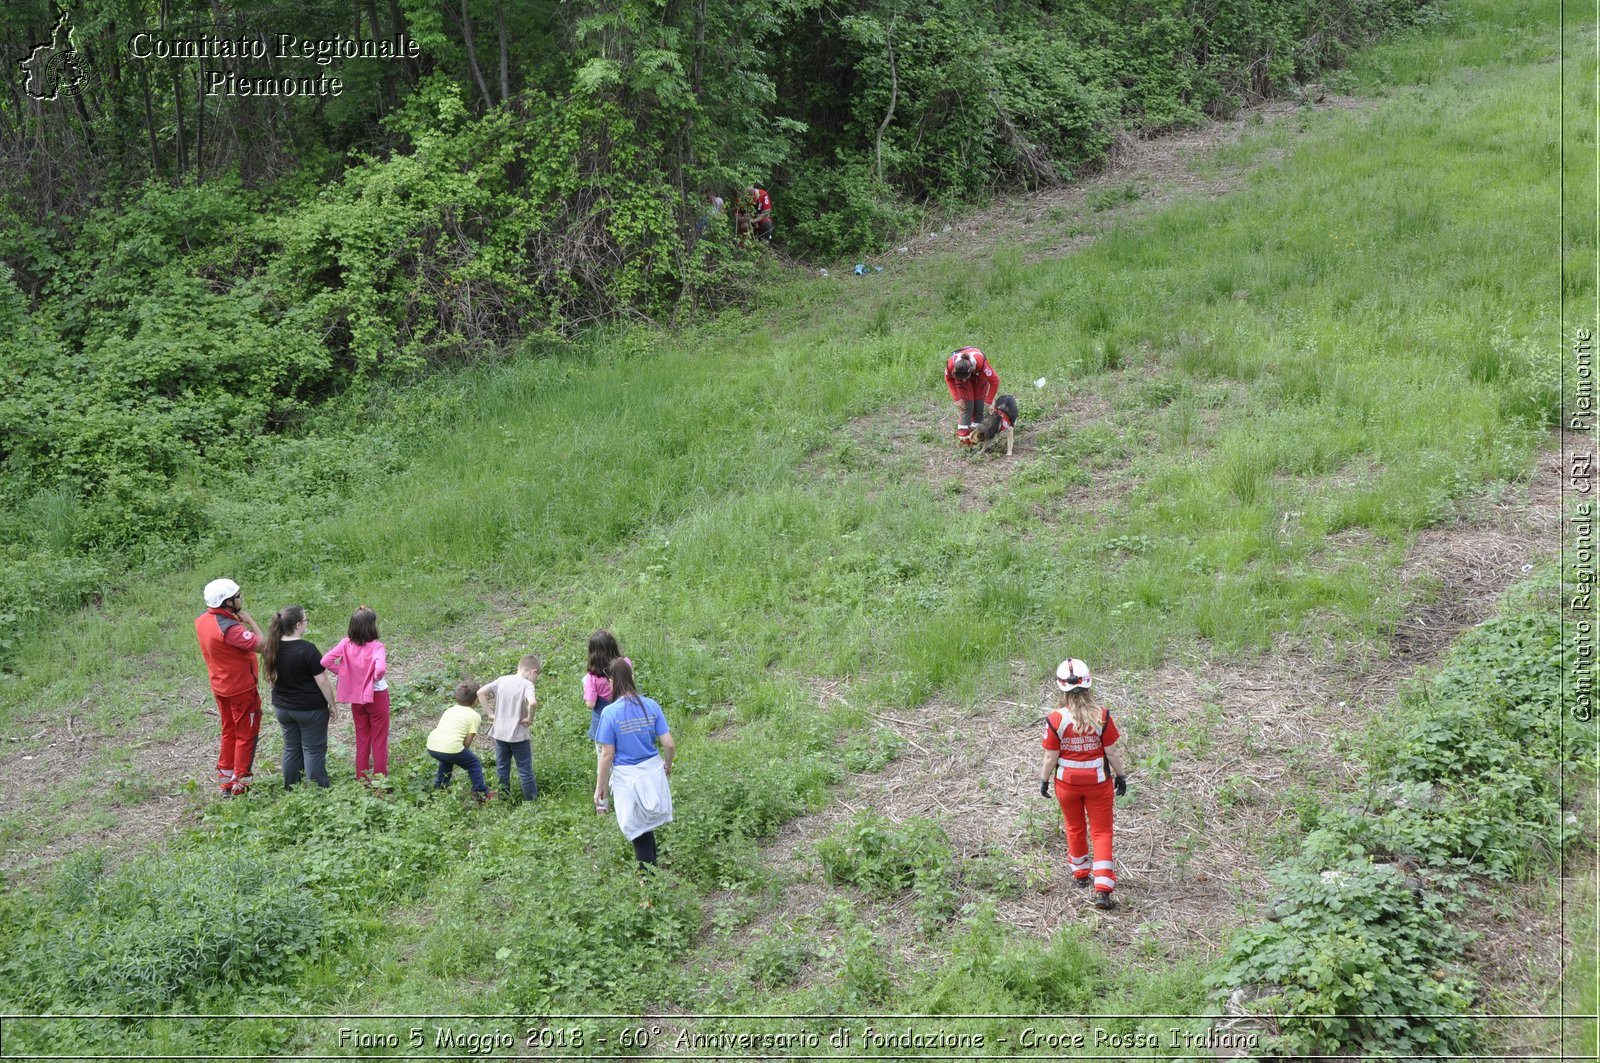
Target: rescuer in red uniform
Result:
[973, 384]
[759, 205]
[1088, 777]
[231, 641]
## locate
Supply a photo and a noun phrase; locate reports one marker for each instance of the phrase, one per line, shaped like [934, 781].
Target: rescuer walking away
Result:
[1088, 775]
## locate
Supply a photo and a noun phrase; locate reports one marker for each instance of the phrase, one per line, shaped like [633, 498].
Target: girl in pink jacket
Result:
[359, 662]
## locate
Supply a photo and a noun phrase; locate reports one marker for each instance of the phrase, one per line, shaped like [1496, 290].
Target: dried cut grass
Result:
[1187, 842]
[1059, 220]
[62, 749]
[1193, 842]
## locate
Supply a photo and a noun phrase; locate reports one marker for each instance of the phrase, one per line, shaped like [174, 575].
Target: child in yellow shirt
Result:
[450, 742]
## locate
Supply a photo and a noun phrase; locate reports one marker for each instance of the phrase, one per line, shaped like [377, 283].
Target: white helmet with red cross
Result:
[1073, 674]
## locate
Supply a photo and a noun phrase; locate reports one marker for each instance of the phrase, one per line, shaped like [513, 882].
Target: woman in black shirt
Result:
[301, 695]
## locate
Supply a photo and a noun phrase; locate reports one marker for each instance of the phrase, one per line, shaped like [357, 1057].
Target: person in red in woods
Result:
[230, 642]
[759, 207]
[973, 384]
[1088, 776]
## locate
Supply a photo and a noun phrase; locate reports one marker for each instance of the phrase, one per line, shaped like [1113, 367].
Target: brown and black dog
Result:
[1002, 418]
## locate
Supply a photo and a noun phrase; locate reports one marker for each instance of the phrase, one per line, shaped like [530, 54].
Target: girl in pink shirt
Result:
[603, 649]
[360, 662]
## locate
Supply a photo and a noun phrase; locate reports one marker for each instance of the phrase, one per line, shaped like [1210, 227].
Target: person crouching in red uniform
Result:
[973, 383]
[759, 205]
[1088, 776]
[231, 641]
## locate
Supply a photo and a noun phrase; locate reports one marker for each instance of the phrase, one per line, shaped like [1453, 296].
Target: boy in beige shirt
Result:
[512, 701]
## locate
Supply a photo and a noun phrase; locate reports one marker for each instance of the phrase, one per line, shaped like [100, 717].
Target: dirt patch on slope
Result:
[1227, 755]
[916, 444]
[69, 785]
[1142, 174]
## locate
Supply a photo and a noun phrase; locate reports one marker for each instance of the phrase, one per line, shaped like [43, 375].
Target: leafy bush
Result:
[990, 970]
[1355, 961]
[1470, 776]
[865, 978]
[168, 932]
[352, 847]
[562, 928]
[839, 208]
[775, 959]
[883, 859]
[1465, 780]
[880, 857]
[872, 751]
[724, 814]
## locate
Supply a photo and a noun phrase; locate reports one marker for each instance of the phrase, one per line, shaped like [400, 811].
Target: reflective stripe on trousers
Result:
[1086, 814]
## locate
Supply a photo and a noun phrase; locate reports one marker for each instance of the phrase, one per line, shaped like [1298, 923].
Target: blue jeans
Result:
[449, 762]
[522, 752]
[305, 745]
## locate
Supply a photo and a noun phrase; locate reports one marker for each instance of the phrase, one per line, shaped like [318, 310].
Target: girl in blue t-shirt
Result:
[636, 751]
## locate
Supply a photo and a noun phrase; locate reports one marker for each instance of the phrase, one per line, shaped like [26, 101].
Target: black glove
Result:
[1120, 786]
[1044, 787]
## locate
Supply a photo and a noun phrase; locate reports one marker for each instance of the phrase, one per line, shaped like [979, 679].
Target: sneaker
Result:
[239, 789]
[1102, 899]
[1081, 882]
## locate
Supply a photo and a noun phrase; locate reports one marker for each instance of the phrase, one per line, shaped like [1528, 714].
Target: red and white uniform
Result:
[1084, 789]
[230, 649]
[983, 384]
[762, 204]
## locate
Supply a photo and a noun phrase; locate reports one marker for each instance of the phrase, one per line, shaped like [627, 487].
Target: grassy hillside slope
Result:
[1251, 407]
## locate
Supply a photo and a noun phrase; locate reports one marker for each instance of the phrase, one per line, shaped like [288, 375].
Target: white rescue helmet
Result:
[219, 591]
[1073, 674]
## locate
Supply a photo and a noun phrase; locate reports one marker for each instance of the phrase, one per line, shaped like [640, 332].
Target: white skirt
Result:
[641, 796]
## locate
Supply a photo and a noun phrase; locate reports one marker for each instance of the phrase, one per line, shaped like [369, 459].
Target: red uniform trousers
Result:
[241, 727]
[975, 389]
[1095, 801]
[372, 735]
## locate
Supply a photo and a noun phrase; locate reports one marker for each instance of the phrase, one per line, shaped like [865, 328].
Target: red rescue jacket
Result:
[1082, 760]
[984, 383]
[230, 649]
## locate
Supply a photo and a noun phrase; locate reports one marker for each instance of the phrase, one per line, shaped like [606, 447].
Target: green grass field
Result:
[1252, 408]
